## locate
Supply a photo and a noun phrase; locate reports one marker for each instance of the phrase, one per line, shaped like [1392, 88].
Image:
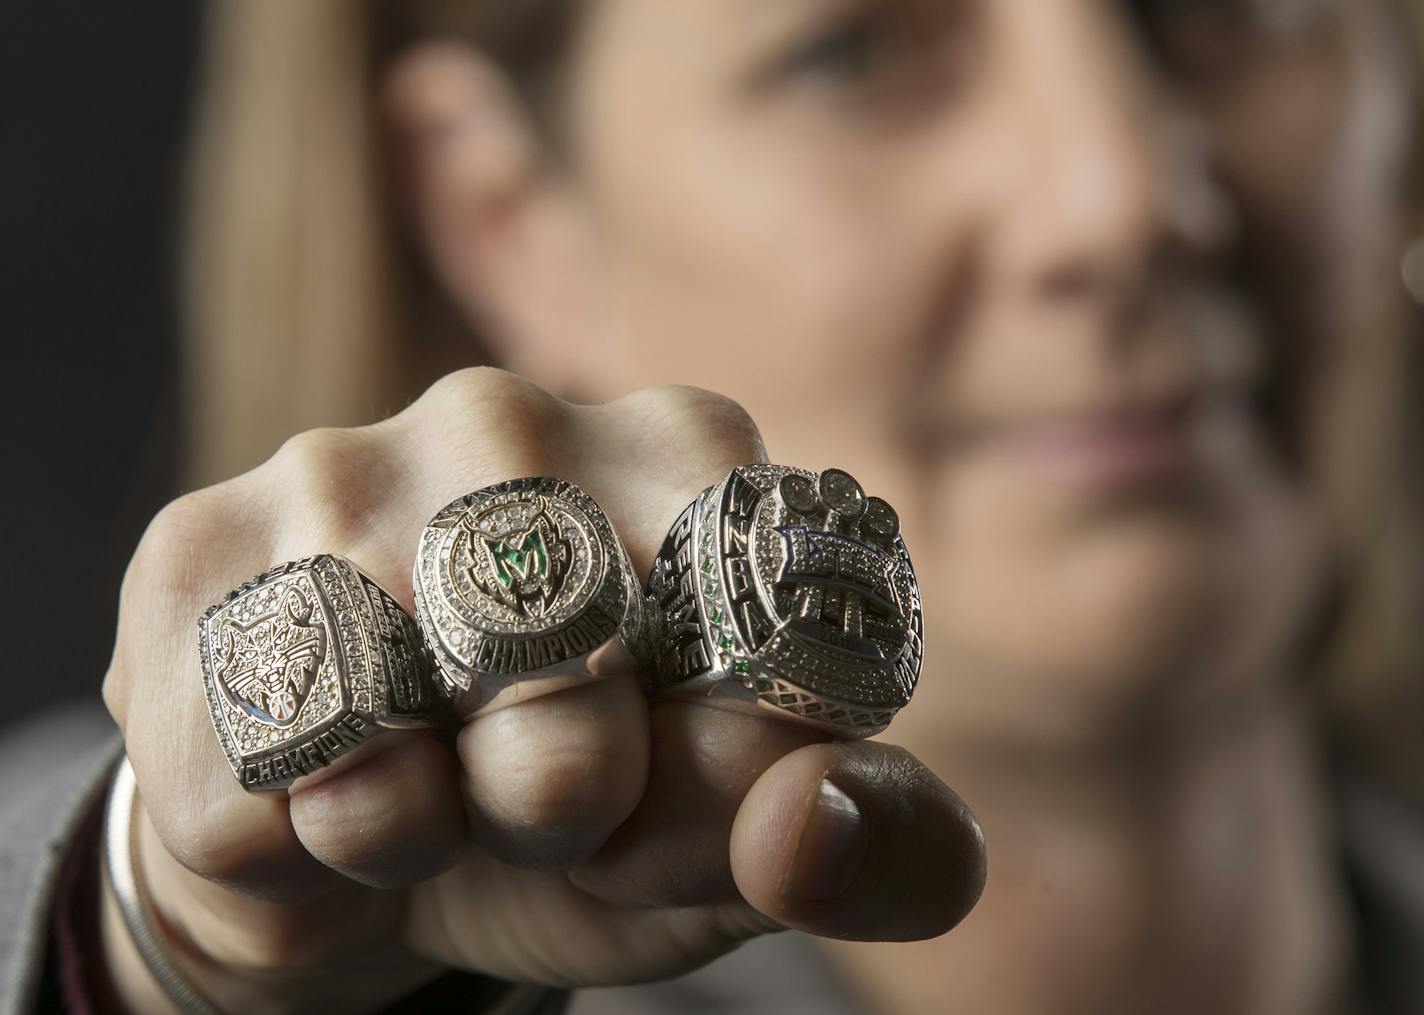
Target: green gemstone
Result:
[726, 642]
[707, 565]
[742, 667]
[519, 562]
[715, 616]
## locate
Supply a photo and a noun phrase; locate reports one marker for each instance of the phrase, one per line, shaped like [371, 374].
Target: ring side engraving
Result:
[306, 662]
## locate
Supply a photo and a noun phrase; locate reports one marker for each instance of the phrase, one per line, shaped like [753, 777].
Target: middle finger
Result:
[550, 777]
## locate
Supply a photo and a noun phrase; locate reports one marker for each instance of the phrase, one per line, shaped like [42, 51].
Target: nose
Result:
[1108, 175]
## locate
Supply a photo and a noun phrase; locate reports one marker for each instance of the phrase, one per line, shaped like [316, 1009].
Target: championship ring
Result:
[523, 587]
[791, 590]
[304, 663]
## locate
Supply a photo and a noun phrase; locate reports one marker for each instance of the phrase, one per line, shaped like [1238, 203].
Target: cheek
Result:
[1077, 603]
[793, 285]
[1090, 596]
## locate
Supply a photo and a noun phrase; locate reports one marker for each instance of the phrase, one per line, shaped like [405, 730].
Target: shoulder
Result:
[53, 770]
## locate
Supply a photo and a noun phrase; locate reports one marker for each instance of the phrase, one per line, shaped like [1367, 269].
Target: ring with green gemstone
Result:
[522, 588]
[788, 589]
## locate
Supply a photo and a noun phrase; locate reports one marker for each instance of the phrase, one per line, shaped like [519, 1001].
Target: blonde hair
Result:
[304, 303]
[289, 302]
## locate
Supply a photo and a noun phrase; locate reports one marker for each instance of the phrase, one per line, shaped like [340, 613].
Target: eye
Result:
[854, 51]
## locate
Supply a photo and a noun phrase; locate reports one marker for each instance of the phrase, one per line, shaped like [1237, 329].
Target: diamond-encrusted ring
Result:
[304, 663]
[522, 588]
[789, 589]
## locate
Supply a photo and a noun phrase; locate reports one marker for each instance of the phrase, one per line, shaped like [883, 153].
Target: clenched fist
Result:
[578, 837]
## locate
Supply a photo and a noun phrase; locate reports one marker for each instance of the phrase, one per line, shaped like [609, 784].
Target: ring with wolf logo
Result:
[522, 579]
[793, 590]
[305, 662]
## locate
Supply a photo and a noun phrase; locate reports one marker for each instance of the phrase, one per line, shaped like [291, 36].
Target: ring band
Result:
[521, 588]
[792, 590]
[306, 662]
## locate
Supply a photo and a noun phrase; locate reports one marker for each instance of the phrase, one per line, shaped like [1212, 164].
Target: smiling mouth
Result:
[1112, 448]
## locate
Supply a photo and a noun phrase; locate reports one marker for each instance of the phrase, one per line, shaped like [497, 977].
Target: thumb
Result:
[857, 841]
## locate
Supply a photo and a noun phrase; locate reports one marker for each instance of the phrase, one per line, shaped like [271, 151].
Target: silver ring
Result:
[791, 590]
[522, 588]
[306, 662]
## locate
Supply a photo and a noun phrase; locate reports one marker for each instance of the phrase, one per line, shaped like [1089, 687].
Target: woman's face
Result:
[1009, 262]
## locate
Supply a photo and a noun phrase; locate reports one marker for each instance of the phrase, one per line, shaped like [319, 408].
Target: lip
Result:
[1110, 448]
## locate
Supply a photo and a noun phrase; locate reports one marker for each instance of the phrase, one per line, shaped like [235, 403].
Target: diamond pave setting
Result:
[305, 662]
[522, 578]
[792, 589]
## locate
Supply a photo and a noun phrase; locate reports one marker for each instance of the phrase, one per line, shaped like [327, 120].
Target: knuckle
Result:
[314, 450]
[169, 561]
[184, 562]
[564, 786]
[490, 425]
[201, 842]
[334, 476]
[696, 417]
[326, 461]
[115, 693]
[487, 393]
[569, 785]
[256, 858]
[202, 849]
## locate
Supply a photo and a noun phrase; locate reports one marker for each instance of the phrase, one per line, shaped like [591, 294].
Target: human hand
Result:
[576, 838]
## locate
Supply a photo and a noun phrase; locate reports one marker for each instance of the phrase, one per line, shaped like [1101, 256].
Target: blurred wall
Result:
[93, 100]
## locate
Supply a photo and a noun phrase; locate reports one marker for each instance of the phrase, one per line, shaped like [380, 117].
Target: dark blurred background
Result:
[93, 106]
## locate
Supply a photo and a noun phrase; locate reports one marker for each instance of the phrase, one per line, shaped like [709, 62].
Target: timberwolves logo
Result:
[266, 667]
[522, 565]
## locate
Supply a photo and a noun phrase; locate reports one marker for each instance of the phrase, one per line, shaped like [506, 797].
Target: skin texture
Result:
[1025, 267]
[531, 843]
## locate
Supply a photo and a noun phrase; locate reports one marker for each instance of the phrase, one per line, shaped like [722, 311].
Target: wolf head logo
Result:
[526, 568]
[267, 667]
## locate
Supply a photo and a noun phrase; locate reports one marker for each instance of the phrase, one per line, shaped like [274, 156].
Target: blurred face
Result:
[1017, 265]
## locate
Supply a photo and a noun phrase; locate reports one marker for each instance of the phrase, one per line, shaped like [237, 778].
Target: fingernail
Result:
[830, 850]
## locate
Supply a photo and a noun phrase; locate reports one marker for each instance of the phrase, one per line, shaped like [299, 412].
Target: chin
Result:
[1106, 618]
